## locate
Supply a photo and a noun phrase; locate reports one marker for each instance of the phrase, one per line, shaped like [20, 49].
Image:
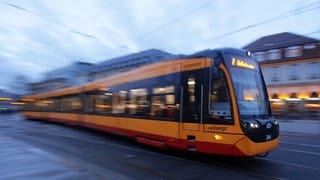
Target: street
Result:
[42, 150]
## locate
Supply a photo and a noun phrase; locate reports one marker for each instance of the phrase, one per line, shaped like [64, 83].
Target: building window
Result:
[259, 56]
[293, 51]
[274, 54]
[275, 74]
[293, 72]
[314, 70]
[309, 46]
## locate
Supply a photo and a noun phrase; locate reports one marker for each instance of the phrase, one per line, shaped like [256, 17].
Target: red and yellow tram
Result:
[214, 102]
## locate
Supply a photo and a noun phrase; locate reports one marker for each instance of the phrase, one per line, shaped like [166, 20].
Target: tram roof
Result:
[216, 52]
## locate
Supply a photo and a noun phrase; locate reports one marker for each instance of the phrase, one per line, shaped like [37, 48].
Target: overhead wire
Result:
[177, 18]
[303, 9]
[69, 28]
[300, 10]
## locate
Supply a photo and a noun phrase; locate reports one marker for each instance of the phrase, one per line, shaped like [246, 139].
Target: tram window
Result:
[56, 104]
[52, 105]
[163, 102]
[103, 103]
[75, 104]
[157, 106]
[119, 102]
[64, 105]
[191, 103]
[38, 106]
[90, 104]
[138, 104]
[191, 89]
[220, 107]
[70, 104]
[29, 106]
[43, 105]
[34, 106]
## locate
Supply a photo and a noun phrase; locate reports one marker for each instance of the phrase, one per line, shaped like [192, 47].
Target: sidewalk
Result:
[20, 161]
[300, 126]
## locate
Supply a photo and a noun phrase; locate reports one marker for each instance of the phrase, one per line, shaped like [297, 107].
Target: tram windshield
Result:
[248, 86]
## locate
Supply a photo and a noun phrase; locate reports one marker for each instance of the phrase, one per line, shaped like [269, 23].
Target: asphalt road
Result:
[41, 150]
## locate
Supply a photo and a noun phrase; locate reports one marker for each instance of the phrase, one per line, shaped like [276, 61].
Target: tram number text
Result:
[211, 128]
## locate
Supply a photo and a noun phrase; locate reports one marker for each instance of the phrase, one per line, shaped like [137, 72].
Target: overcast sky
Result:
[40, 35]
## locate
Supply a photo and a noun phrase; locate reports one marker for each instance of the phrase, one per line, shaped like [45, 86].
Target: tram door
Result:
[192, 100]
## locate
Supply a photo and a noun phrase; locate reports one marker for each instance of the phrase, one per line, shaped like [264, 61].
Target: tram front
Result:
[251, 100]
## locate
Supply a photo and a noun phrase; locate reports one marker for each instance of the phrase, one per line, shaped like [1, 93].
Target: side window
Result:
[119, 102]
[138, 104]
[220, 106]
[28, 106]
[42, 105]
[191, 94]
[103, 103]
[70, 104]
[163, 102]
[99, 102]
[91, 103]
[76, 104]
[52, 105]
[64, 105]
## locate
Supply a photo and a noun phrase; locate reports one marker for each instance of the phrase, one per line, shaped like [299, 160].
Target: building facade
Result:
[75, 74]
[128, 62]
[82, 72]
[291, 67]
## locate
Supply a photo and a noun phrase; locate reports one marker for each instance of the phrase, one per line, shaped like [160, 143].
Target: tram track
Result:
[271, 167]
[190, 158]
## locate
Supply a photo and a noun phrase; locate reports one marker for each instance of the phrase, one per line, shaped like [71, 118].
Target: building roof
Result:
[76, 67]
[280, 40]
[143, 57]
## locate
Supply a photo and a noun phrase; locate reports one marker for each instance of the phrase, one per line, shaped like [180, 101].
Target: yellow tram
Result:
[214, 102]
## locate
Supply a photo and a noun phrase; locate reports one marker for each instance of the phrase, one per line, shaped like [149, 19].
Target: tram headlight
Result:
[254, 125]
[250, 124]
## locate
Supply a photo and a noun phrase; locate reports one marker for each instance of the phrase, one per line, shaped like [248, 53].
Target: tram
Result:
[212, 102]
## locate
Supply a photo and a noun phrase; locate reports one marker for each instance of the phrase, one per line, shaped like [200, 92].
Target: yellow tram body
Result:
[157, 112]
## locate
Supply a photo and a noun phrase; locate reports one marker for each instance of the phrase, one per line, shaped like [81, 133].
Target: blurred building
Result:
[82, 72]
[49, 85]
[125, 63]
[291, 67]
[75, 74]
[8, 102]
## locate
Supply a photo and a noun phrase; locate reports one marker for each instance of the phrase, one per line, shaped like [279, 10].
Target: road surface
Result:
[41, 150]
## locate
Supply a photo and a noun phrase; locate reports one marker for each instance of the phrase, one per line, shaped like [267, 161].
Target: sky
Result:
[39, 36]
